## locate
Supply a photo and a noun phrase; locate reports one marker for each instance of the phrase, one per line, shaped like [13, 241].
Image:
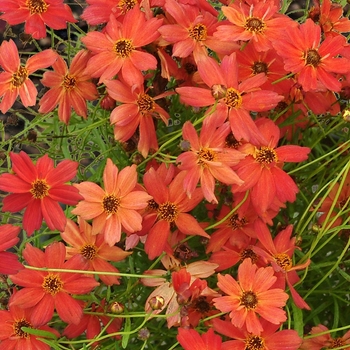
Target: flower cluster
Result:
[180, 133]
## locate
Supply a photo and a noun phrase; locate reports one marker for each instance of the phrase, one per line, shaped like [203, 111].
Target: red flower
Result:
[14, 80]
[138, 109]
[40, 188]
[12, 337]
[208, 159]
[68, 87]
[92, 249]
[9, 263]
[117, 48]
[190, 339]
[172, 205]
[250, 296]
[314, 61]
[114, 207]
[45, 291]
[270, 338]
[35, 14]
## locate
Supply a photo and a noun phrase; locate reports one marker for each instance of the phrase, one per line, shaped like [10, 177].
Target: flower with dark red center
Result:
[39, 188]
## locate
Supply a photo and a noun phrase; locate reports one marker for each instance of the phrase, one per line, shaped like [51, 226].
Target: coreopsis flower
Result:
[14, 80]
[118, 47]
[39, 188]
[114, 207]
[208, 159]
[9, 263]
[137, 110]
[259, 23]
[190, 339]
[279, 252]
[325, 341]
[69, 88]
[92, 249]
[230, 98]
[270, 338]
[172, 206]
[315, 62]
[12, 336]
[193, 31]
[36, 14]
[337, 200]
[45, 291]
[261, 170]
[251, 295]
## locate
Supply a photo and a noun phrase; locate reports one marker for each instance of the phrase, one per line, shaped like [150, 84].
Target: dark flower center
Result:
[232, 142]
[254, 342]
[249, 300]
[123, 48]
[69, 82]
[36, 6]
[89, 251]
[126, 5]
[40, 189]
[19, 77]
[284, 261]
[52, 284]
[110, 204]
[17, 328]
[152, 204]
[260, 67]
[168, 212]
[266, 155]
[145, 103]
[206, 155]
[249, 253]
[254, 24]
[233, 98]
[336, 343]
[312, 58]
[190, 68]
[198, 32]
[235, 222]
[201, 304]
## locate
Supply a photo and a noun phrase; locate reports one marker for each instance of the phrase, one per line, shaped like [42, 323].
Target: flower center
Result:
[259, 67]
[126, 5]
[17, 328]
[254, 342]
[89, 251]
[40, 189]
[249, 253]
[232, 142]
[190, 68]
[198, 32]
[206, 155]
[336, 343]
[255, 25]
[266, 155]
[145, 103]
[233, 98]
[52, 284]
[284, 261]
[123, 48]
[36, 6]
[69, 82]
[19, 77]
[111, 204]
[312, 58]
[168, 212]
[249, 300]
[235, 222]
[201, 304]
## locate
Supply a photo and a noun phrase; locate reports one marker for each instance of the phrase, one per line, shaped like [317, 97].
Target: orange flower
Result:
[92, 249]
[68, 87]
[190, 339]
[114, 207]
[40, 188]
[117, 49]
[36, 13]
[45, 291]
[14, 80]
[250, 296]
